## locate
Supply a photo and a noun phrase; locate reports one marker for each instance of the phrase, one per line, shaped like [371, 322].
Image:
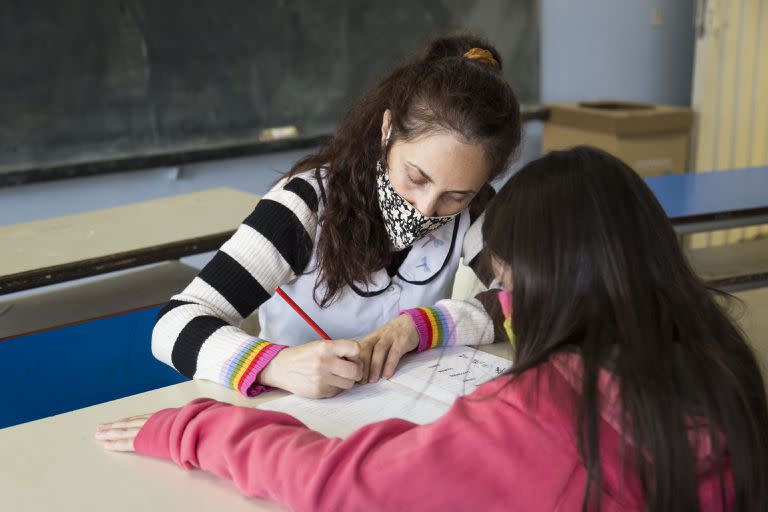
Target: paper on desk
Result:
[423, 389]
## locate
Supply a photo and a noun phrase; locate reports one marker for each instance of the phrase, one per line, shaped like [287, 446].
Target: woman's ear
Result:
[386, 127]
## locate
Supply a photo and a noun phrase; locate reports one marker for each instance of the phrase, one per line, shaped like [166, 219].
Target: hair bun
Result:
[461, 46]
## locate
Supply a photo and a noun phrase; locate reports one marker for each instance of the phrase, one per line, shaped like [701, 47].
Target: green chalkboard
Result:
[97, 80]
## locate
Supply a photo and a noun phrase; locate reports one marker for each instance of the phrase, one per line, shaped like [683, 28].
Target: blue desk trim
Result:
[718, 199]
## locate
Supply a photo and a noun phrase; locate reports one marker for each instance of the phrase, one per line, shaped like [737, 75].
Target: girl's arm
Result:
[476, 457]
[198, 333]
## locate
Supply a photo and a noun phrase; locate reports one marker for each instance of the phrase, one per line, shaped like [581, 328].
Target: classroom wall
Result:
[730, 97]
[590, 49]
[611, 49]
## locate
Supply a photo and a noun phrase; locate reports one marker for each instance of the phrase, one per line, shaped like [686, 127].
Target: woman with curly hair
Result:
[377, 221]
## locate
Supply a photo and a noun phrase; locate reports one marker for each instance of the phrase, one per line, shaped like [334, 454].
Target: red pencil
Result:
[302, 314]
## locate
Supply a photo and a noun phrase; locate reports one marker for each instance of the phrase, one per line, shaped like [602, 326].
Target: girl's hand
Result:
[381, 350]
[319, 369]
[119, 435]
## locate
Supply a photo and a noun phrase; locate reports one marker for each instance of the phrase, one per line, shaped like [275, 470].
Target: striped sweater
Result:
[198, 332]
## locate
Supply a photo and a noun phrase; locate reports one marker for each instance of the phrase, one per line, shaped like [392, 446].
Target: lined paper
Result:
[423, 389]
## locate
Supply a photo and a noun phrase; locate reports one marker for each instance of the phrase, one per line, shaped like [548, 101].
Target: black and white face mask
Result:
[404, 223]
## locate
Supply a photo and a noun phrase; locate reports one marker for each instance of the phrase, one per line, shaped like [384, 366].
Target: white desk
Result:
[60, 249]
[56, 464]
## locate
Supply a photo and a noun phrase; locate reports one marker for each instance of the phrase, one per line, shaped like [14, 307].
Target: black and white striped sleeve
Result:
[197, 332]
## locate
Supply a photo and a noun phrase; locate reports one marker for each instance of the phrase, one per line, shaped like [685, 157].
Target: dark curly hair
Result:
[438, 90]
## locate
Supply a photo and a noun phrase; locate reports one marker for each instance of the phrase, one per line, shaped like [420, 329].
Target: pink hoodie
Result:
[505, 447]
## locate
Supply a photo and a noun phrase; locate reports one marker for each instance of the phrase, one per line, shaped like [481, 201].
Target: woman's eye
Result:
[416, 181]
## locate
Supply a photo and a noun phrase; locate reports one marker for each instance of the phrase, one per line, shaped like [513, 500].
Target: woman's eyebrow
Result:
[427, 177]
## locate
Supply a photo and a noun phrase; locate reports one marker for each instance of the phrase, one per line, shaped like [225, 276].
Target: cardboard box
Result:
[652, 139]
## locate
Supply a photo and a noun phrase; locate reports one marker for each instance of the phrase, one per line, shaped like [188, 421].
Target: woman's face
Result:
[437, 173]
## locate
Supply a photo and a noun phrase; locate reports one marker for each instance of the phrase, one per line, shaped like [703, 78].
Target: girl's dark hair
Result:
[439, 90]
[596, 267]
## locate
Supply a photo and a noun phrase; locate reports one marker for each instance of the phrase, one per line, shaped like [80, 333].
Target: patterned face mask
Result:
[404, 223]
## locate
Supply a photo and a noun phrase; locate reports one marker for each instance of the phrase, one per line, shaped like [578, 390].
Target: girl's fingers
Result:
[116, 434]
[120, 445]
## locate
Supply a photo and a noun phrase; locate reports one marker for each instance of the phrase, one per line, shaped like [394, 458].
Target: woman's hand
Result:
[381, 350]
[319, 369]
[119, 435]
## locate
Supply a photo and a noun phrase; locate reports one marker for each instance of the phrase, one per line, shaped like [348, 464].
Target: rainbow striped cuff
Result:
[434, 325]
[242, 369]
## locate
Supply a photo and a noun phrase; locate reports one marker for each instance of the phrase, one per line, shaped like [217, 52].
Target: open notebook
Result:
[422, 389]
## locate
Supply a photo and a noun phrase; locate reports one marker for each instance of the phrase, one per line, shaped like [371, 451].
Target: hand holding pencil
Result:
[318, 369]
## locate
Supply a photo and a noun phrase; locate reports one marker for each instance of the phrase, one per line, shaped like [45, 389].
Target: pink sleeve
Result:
[394, 464]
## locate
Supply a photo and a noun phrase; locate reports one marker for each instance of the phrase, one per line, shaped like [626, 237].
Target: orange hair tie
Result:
[483, 55]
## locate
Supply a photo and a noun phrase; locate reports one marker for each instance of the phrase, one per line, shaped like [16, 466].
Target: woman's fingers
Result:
[348, 370]
[377, 359]
[366, 351]
[339, 382]
[365, 359]
[349, 349]
[393, 357]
